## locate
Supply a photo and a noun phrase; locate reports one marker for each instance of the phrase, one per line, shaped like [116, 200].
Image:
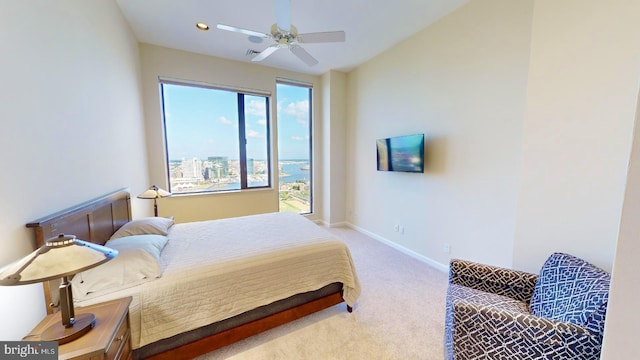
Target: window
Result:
[216, 139]
[294, 147]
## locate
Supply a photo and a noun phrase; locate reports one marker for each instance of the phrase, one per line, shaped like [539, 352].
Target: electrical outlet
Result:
[402, 229]
[446, 248]
[396, 228]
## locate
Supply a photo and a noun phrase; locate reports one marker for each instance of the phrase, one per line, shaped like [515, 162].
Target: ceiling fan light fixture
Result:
[202, 26]
[285, 35]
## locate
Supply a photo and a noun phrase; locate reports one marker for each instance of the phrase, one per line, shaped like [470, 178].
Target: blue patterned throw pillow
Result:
[572, 290]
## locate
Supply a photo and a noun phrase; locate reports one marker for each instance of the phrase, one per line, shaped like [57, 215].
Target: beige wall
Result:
[461, 82]
[581, 100]
[333, 146]
[163, 62]
[529, 112]
[71, 112]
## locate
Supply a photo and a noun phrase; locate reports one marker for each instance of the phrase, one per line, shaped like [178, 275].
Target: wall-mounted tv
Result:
[401, 153]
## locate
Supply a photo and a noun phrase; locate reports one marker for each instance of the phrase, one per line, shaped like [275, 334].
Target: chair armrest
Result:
[522, 334]
[515, 284]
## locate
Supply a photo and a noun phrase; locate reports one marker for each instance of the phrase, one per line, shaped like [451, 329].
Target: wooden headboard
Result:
[95, 221]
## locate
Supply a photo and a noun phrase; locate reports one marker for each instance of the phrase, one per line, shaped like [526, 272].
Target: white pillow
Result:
[138, 261]
[148, 225]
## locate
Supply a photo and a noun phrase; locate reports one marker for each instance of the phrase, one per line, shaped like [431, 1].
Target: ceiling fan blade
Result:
[243, 31]
[266, 52]
[303, 55]
[283, 14]
[322, 37]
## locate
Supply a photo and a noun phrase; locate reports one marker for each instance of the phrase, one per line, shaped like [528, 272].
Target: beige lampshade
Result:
[58, 257]
[154, 192]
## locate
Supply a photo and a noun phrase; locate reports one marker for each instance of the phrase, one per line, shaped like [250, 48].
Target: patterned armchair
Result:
[497, 313]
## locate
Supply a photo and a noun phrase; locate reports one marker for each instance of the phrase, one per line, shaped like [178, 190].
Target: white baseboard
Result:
[325, 224]
[402, 249]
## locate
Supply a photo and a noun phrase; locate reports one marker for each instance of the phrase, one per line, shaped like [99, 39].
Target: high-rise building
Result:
[250, 169]
[219, 166]
[192, 169]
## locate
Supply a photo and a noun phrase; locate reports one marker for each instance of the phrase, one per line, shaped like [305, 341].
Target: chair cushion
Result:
[459, 293]
[571, 290]
[481, 298]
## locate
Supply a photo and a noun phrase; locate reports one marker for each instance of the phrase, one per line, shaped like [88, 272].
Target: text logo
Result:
[32, 350]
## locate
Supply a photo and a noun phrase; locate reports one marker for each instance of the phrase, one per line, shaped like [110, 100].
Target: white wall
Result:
[462, 82]
[581, 101]
[622, 313]
[71, 114]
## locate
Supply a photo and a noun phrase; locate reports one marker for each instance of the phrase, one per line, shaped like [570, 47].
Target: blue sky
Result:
[204, 122]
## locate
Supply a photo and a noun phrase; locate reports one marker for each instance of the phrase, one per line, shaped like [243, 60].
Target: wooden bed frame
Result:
[98, 219]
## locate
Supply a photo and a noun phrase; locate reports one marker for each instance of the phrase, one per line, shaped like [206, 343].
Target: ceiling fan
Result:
[286, 35]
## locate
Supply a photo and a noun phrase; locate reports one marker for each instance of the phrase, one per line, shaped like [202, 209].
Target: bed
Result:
[222, 280]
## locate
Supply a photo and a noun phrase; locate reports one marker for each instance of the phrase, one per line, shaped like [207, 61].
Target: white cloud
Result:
[299, 110]
[225, 121]
[297, 138]
[262, 122]
[254, 134]
[256, 107]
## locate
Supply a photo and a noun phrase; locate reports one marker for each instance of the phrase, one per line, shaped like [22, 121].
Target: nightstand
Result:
[109, 339]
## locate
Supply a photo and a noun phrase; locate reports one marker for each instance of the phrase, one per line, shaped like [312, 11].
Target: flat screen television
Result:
[401, 153]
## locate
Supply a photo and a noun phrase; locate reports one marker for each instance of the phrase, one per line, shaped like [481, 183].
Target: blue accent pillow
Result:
[572, 290]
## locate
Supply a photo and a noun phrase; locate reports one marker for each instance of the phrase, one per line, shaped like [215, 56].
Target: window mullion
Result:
[242, 141]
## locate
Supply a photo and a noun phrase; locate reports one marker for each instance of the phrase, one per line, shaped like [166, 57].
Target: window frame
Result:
[309, 88]
[241, 132]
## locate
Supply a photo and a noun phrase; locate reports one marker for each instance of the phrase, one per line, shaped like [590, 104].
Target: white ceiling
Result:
[371, 26]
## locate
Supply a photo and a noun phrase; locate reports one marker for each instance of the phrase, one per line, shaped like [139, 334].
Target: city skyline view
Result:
[201, 123]
[208, 131]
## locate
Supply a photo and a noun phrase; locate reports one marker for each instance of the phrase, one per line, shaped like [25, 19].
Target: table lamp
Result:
[59, 257]
[154, 193]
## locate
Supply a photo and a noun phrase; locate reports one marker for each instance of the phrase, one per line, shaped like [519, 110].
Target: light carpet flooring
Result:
[400, 314]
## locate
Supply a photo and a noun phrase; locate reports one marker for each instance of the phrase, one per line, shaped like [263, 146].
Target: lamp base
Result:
[57, 332]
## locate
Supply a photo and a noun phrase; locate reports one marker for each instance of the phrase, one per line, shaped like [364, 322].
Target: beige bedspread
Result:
[217, 269]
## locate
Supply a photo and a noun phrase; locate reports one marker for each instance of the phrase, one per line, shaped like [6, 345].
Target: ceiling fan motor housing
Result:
[284, 37]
